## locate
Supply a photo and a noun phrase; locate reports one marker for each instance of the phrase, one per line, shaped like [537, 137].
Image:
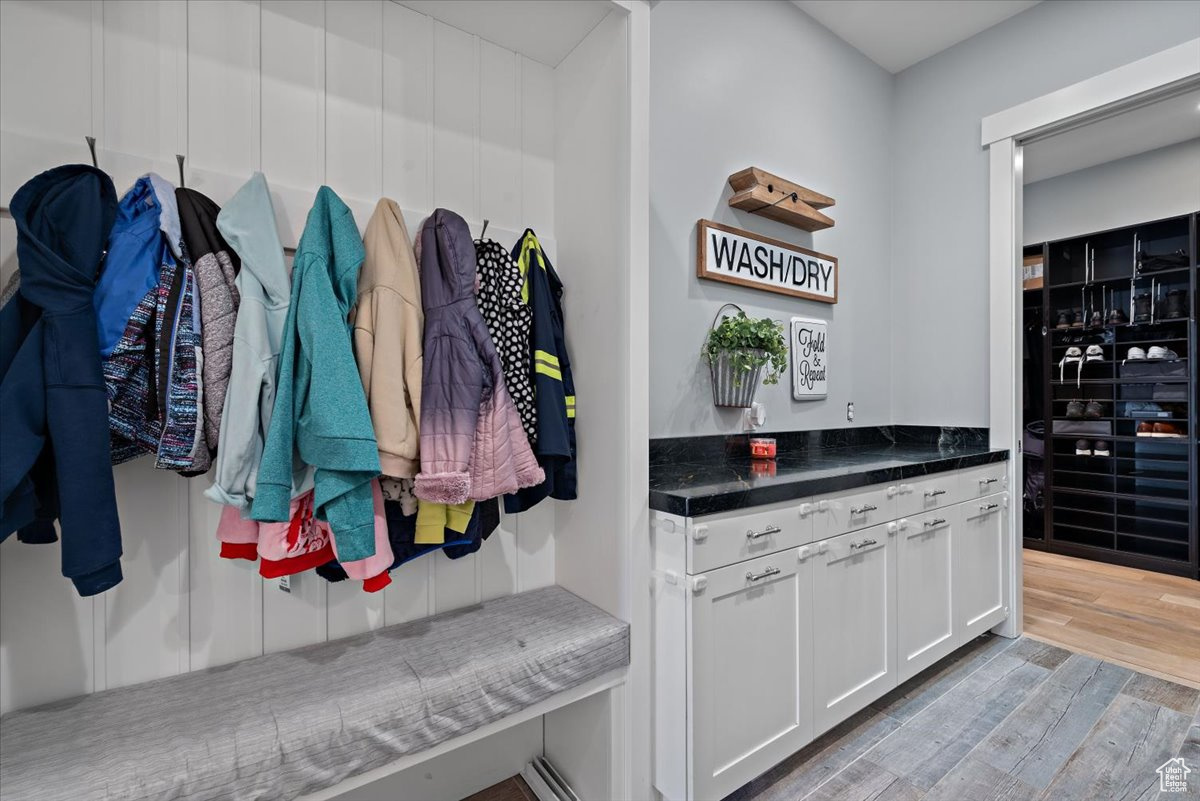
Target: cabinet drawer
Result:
[979, 482]
[717, 540]
[927, 493]
[849, 511]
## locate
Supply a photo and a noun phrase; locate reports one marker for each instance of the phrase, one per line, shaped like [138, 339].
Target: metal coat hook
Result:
[483, 233]
[91, 143]
[179, 159]
[794, 196]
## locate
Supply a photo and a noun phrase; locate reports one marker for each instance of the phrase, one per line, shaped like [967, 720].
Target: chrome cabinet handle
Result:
[770, 571]
[986, 481]
[864, 544]
[933, 493]
[766, 532]
[987, 507]
[935, 522]
[862, 510]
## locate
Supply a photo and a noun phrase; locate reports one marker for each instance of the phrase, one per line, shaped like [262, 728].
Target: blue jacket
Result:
[553, 384]
[53, 408]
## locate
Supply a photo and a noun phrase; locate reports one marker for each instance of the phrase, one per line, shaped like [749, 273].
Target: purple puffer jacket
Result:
[472, 444]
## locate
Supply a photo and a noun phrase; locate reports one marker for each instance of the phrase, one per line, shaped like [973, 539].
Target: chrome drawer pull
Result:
[864, 544]
[862, 510]
[987, 507]
[766, 532]
[770, 571]
[934, 493]
[986, 481]
[935, 522]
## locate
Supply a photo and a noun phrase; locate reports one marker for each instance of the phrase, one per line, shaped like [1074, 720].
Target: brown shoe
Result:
[1145, 429]
[1166, 430]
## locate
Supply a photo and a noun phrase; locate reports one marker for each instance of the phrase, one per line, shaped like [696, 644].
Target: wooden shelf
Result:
[759, 192]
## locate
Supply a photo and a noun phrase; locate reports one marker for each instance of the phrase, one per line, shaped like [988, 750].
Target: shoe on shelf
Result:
[1100, 448]
[1118, 317]
[1075, 410]
[1095, 353]
[1145, 429]
[1176, 304]
[1063, 322]
[1083, 447]
[1097, 320]
[1135, 354]
[1077, 319]
[1165, 430]
[1159, 353]
[1094, 410]
[1142, 308]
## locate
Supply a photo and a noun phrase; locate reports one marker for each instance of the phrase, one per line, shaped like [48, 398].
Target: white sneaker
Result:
[1135, 354]
[1095, 353]
[1159, 353]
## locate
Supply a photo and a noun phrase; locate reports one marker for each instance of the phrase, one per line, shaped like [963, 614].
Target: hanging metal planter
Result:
[732, 386]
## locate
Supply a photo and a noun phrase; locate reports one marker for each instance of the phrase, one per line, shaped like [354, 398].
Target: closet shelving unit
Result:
[1137, 506]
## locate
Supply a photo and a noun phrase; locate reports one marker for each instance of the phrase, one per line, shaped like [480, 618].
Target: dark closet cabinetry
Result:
[1111, 445]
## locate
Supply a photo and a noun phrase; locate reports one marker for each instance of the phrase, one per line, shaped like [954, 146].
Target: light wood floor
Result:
[1146, 621]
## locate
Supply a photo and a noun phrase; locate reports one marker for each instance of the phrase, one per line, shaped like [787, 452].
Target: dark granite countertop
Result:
[693, 488]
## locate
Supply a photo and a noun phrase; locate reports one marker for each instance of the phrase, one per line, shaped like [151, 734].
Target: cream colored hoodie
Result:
[388, 326]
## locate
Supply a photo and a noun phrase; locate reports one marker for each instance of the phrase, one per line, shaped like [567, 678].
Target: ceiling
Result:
[896, 34]
[1165, 122]
[544, 31]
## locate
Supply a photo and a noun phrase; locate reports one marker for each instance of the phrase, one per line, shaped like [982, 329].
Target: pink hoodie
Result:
[303, 543]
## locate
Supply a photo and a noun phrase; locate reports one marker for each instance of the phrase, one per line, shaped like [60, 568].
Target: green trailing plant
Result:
[750, 343]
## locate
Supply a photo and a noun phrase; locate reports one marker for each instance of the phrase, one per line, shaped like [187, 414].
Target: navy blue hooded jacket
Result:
[54, 459]
[553, 383]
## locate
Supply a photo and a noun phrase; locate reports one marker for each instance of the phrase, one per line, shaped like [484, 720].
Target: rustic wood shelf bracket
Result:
[759, 192]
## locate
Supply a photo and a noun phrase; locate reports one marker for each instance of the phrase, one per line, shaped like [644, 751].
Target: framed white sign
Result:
[810, 362]
[742, 257]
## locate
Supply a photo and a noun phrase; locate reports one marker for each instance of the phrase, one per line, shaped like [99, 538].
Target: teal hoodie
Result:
[320, 411]
[247, 222]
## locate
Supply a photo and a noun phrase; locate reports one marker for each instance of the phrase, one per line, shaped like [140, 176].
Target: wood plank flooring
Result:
[1146, 621]
[1002, 720]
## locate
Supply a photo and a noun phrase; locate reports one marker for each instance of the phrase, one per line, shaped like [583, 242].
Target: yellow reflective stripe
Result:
[570, 400]
[547, 357]
[570, 406]
[545, 369]
[570, 412]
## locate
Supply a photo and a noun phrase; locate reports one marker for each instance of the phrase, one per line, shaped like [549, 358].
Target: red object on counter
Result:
[762, 448]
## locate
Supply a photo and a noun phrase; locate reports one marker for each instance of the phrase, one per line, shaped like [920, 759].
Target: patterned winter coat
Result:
[509, 320]
[472, 443]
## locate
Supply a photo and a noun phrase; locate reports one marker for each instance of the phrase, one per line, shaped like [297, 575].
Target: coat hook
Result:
[91, 143]
[179, 159]
[483, 233]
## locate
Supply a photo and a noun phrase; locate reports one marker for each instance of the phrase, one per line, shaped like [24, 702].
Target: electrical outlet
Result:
[754, 417]
[850, 411]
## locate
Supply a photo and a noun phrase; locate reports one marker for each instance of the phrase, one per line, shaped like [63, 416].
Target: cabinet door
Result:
[924, 611]
[854, 620]
[750, 690]
[980, 565]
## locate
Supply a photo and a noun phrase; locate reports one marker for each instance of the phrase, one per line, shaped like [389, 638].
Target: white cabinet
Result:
[776, 623]
[924, 608]
[980, 565]
[854, 620]
[722, 539]
[840, 512]
[751, 692]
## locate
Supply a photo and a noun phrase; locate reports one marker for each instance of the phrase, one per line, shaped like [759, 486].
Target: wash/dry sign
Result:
[745, 258]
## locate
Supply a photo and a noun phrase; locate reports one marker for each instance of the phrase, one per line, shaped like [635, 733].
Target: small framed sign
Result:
[745, 258]
[810, 358]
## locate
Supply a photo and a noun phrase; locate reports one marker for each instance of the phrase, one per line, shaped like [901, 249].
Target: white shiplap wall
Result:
[365, 95]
